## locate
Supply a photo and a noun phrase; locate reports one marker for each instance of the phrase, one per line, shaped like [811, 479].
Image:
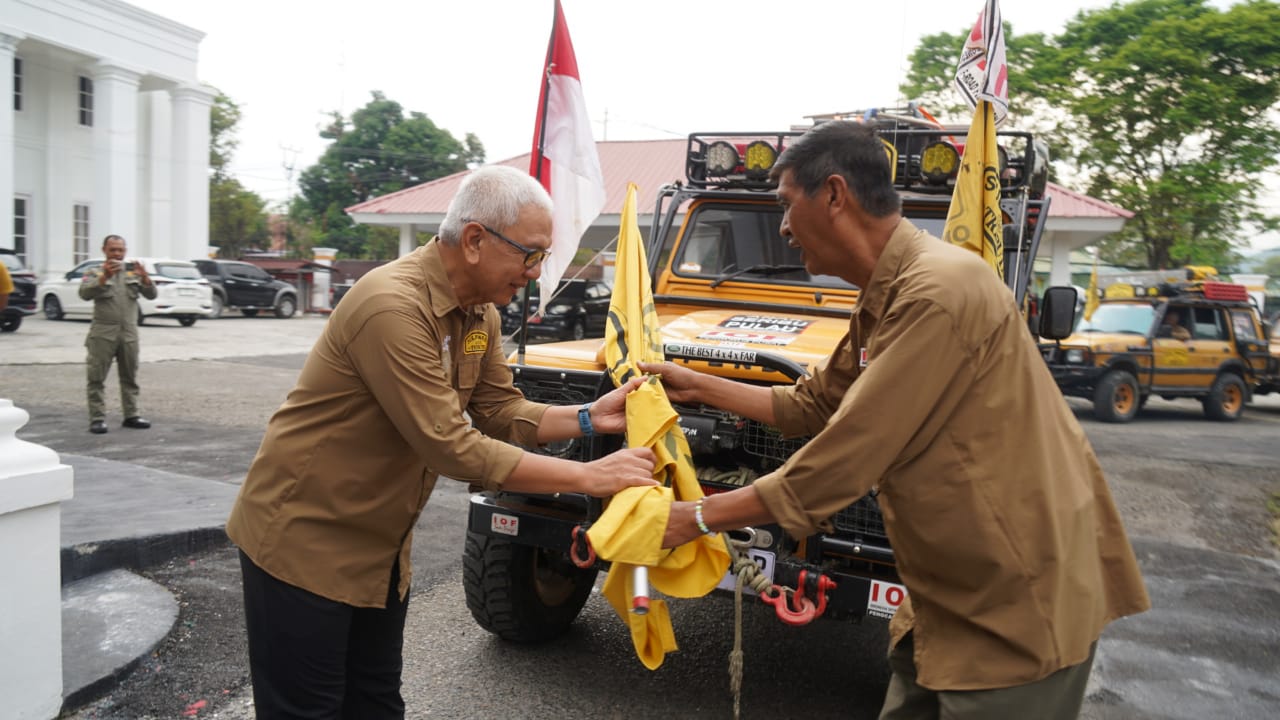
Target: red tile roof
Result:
[650, 164]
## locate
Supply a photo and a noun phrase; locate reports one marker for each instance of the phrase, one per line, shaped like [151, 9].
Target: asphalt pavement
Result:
[152, 617]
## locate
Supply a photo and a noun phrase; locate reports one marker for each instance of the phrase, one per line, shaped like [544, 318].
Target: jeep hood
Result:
[721, 336]
[1106, 342]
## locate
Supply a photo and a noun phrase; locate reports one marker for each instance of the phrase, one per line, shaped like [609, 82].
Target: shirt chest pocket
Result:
[468, 376]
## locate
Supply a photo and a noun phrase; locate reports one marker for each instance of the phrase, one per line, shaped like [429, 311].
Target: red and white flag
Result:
[564, 156]
[983, 73]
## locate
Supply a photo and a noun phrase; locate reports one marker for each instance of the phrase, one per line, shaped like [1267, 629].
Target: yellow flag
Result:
[975, 220]
[1091, 299]
[629, 533]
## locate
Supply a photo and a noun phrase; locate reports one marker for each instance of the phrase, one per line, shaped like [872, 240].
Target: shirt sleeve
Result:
[398, 357]
[90, 288]
[917, 355]
[805, 407]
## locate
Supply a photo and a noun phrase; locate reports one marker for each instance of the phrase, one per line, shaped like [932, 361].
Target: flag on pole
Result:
[1091, 299]
[564, 156]
[975, 220]
[629, 533]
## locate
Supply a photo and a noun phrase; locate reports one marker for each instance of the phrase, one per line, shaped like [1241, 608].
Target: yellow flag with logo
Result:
[1091, 299]
[630, 531]
[974, 219]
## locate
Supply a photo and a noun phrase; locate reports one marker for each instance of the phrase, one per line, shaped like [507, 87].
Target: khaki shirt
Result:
[1002, 524]
[349, 460]
[115, 303]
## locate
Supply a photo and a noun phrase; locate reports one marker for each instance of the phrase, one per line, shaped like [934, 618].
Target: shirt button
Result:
[439, 427]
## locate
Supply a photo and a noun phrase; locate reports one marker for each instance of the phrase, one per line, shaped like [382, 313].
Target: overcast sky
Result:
[650, 68]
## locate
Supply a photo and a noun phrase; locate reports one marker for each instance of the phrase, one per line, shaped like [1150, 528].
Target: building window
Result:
[86, 101]
[20, 205]
[81, 231]
[17, 83]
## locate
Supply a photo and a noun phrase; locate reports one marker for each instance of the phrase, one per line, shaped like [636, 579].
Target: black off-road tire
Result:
[521, 593]
[1116, 399]
[286, 306]
[1226, 399]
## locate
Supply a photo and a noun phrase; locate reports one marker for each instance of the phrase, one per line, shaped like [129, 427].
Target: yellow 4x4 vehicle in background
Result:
[1156, 335]
[733, 300]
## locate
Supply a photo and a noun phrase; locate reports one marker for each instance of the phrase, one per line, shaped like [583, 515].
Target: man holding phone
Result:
[114, 289]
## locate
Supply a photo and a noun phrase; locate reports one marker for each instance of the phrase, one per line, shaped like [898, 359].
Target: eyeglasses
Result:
[532, 256]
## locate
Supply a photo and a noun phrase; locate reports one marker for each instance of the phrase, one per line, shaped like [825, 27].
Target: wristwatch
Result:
[584, 421]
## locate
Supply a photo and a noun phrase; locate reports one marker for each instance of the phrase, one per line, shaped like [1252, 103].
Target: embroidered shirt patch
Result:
[477, 342]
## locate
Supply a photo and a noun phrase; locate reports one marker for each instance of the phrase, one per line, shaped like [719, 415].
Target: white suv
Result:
[181, 292]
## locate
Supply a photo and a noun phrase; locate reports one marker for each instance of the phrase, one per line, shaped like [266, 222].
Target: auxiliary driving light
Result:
[722, 158]
[939, 162]
[759, 158]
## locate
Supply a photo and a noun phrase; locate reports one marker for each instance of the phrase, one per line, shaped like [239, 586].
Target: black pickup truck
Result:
[248, 288]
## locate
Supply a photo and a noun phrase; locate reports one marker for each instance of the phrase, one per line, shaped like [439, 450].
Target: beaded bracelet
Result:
[697, 517]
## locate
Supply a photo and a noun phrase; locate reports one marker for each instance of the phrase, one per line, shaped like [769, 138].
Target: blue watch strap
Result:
[584, 421]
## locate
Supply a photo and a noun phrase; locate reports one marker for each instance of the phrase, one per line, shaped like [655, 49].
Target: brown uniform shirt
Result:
[349, 460]
[1003, 527]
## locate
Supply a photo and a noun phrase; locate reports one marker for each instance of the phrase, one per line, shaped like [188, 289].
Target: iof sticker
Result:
[476, 343]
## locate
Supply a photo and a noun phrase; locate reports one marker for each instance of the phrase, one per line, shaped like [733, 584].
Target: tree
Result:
[378, 151]
[1164, 107]
[237, 216]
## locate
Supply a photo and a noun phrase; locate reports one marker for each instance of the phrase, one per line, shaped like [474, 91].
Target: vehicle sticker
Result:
[884, 599]
[477, 342]
[862, 357]
[703, 352]
[504, 524]
[690, 267]
[765, 323]
[728, 337]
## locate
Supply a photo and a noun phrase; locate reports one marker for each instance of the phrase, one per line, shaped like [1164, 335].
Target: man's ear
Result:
[835, 191]
[472, 234]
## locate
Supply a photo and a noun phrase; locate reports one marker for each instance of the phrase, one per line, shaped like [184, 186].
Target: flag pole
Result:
[537, 162]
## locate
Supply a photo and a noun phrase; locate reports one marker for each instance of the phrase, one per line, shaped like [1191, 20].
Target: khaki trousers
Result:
[101, 353]
[1056, 697]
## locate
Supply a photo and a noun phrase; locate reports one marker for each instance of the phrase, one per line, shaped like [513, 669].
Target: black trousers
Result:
[314, 658]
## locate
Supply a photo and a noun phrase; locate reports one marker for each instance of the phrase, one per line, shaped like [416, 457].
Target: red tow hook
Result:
[823, 583]
[579, 545]
[776, 595]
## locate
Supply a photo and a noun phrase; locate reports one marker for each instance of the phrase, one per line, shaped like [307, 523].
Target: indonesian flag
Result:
[983, 73]
[564, 156]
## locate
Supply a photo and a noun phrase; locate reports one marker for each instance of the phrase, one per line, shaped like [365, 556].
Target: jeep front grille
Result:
[766, 442]
[561, 387]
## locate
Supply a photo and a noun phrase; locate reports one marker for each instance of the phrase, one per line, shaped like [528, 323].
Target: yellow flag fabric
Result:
[975, 220]
[630, 531]
[1091, 299]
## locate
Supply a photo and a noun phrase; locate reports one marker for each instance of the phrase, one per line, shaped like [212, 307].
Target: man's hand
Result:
[625, 468]
[109, 270]
[679, 382]
[609, 413]
[141, 272]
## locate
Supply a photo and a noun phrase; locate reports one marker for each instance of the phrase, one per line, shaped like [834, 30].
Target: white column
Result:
[320, 285]
[406, 239]
[158, 203]
[32, 485]
[115, 145]
[1060, 270]
[8, 47]
[189, 237]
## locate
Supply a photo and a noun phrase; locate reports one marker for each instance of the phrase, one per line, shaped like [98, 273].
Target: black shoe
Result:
[139, 423]
[98, 427]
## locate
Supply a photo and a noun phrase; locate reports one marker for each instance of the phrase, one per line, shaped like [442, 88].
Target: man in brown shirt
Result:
[1001, 522]
[324, 520]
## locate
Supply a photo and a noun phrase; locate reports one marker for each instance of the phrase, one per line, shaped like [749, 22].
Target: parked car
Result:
[181, 292]
[336, 293]
[248, 288]
[22, 301]
[578, 310]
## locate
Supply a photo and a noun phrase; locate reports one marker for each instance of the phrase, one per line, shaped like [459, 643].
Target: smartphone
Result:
[128, 267]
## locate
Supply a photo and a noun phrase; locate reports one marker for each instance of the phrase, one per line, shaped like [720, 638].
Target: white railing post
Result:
[32, 484]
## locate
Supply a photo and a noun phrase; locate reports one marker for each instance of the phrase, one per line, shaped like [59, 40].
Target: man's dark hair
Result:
[849, 149]
[109, 238]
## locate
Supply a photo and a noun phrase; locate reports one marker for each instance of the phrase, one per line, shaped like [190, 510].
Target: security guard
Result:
[114, 290]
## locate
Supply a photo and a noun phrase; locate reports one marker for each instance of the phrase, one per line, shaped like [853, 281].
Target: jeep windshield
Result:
[1134, 318]
[743, 242]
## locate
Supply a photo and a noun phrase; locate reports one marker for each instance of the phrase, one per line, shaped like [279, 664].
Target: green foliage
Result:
[378, 151]
[1163, 107]
[237, 216]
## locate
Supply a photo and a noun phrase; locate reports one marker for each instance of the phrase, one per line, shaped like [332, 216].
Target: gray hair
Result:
[493, 195]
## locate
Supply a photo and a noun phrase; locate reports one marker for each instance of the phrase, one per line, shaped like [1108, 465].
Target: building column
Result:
[189, 237]
[158, 185]
[320, 285]
[406, 239]
[115, 145]
[1060, 270]
[8, 48]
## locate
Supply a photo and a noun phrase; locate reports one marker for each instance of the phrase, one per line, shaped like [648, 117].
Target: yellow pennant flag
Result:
[629, 533]
[975, 220]
[1091, 299]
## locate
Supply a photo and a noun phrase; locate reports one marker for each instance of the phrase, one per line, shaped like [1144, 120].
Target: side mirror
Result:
[1058, 312]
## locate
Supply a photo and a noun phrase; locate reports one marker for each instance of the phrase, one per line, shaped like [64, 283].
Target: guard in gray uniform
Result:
[114, 290]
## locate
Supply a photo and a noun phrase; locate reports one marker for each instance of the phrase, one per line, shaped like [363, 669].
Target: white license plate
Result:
[187, 292]
[884, 598]
[764, 559]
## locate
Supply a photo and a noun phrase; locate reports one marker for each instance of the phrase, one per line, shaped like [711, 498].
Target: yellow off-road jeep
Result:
[733, 300]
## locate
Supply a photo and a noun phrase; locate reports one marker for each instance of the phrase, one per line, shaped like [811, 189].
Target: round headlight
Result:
[1075, 356]
[938, 162]
[722, 158]
[760, 156]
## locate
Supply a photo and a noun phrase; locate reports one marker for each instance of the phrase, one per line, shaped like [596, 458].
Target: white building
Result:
[104, 129]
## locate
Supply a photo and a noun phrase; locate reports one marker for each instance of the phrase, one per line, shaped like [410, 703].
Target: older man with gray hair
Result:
[324, 520]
